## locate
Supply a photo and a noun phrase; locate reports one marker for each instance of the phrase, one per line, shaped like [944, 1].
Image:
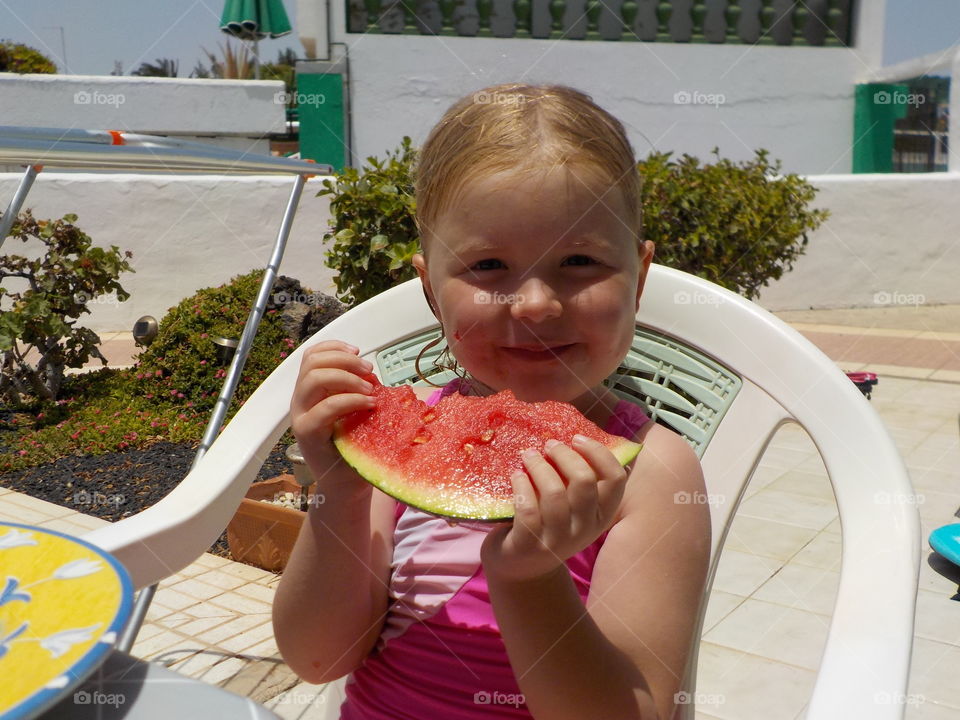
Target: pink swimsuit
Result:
[440, 654]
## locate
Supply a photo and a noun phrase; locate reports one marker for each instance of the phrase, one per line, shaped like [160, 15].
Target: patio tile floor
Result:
[769, 611]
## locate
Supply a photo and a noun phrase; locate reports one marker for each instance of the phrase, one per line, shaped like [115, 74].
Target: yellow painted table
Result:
[63, 603]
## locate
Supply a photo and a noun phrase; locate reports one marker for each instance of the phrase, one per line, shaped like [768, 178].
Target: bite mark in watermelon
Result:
[455, 459]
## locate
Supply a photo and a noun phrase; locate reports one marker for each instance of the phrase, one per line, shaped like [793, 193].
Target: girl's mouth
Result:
[538, 353]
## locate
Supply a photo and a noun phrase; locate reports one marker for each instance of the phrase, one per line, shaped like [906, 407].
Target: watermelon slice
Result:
[455, 459]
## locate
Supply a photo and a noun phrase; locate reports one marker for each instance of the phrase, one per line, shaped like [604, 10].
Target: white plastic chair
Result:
[779, 377]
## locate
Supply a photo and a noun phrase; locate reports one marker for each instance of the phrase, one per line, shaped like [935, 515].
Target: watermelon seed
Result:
[468, 448]
[487, 435]
[422, 436]
[429, 416]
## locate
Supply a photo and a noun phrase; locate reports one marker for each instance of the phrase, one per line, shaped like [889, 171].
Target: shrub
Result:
[68, 275]
[373, 231]
[19, 58]
[738, 225]
[184, 357]
[168, 395]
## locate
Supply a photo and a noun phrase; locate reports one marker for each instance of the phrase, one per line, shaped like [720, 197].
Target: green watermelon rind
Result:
[432, 501]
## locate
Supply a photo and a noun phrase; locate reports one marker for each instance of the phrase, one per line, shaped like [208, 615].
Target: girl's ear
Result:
[420, 263]
[647, 250]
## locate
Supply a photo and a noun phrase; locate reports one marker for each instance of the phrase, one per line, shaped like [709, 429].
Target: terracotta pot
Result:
[262, 534]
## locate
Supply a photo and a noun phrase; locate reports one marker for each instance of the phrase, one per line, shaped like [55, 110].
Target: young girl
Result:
[584, 606]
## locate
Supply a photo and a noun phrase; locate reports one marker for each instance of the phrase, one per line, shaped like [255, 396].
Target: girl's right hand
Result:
[330, 385]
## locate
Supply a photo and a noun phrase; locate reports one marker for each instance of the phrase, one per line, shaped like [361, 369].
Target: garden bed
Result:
[116, 485]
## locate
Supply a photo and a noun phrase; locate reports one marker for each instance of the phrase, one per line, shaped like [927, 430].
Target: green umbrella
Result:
[254, 20]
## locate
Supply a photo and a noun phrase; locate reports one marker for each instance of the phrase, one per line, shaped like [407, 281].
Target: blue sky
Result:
[99, 32]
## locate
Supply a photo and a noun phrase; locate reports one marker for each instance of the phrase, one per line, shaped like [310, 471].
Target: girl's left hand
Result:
[563, 502]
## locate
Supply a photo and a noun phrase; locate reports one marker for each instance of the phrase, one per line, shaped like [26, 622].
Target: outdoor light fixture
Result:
[225, 349]
[145, 330]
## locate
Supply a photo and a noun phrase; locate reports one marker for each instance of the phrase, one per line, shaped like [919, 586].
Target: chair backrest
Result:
[724, 373]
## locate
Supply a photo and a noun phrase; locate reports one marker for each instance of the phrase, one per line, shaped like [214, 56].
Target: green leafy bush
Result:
[738, 225]
[41, 319]
[184, 356]
[373, 231]
[168, 395]
[18, 58]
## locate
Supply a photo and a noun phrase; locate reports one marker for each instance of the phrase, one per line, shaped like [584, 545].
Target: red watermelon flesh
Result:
[455, 459]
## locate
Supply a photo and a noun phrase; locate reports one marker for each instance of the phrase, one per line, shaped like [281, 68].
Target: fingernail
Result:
[367, 387]
[529, 454]
[352, 347]
[366, 365]
[550, 444]
[580, 439]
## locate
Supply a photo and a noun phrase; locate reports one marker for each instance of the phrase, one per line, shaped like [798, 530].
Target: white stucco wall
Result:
[232, 113]
[891, 239]
[797, 102]
[185, 232]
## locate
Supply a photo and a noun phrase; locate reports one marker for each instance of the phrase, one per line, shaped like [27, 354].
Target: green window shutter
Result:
[877, 106]
[322, 118]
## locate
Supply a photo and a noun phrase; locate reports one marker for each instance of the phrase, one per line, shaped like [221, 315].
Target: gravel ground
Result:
[116, 485]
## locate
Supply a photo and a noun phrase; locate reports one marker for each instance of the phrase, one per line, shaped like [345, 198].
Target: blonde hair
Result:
[516, 127]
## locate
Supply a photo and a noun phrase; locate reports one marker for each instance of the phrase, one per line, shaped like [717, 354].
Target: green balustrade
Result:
[484, 11]
[409, 17]
[523, 11]
[593, 9]
[769, 22]
[664, 11]
[800, 16]
[447, 8]
[628, 11]
[697, 13]
[732, 16]
[557, 9]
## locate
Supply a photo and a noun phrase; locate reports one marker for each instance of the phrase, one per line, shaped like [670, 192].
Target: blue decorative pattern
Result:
[36, 623]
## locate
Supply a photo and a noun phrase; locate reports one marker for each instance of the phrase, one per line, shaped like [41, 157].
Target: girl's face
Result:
[536, 280]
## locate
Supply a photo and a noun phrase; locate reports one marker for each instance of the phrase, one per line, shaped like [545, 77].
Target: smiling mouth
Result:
[538, 352]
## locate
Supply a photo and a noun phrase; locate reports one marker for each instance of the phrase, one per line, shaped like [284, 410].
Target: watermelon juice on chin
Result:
[455, 459]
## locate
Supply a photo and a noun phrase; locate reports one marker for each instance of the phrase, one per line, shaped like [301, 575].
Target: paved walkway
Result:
[770, 607]
[921, 342]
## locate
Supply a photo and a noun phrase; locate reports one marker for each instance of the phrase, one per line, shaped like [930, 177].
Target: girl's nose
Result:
[535, 301]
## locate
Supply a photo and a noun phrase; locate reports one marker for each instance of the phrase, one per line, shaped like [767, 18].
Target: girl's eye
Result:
[579, 260]
[488, 264]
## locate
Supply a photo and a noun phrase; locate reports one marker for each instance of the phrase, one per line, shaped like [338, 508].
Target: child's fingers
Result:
[319, 419]
[326, 369]
[611, 476]
[581, 480]
[328, 345]
[323, 356]
[553, 503]
[321, 383]
[526, 511]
